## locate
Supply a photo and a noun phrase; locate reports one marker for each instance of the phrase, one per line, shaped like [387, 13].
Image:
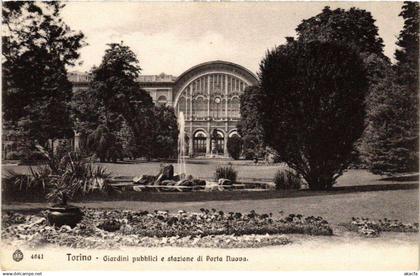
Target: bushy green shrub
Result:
[234, 147]
[227, 172]
[287, 180]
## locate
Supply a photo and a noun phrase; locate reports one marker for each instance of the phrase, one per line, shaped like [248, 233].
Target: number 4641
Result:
[37, 256]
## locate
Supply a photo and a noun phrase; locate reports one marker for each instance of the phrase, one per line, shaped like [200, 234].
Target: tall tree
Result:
[407, 55]
[354, 27]
[250, 126]
[407, 69]
[391, 138]
[37, 47]
[250, 122]
[114, 87]
[313, 103]
[165, 140]
[389, 143]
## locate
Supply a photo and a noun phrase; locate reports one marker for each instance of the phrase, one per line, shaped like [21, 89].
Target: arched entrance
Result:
[217, 142]
[199, 143]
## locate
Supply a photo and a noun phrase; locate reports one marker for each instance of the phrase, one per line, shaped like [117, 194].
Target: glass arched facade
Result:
[212, 96]
[210, 101]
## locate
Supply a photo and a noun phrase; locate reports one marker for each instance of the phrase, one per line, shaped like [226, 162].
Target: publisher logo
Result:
[17, 255]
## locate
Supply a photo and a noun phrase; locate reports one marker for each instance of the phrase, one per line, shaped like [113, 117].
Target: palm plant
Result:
[63, 176]
[78, 176]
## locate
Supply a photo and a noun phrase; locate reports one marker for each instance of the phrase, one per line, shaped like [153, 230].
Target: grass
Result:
[247, 171]
[400, 204]
[335, 207]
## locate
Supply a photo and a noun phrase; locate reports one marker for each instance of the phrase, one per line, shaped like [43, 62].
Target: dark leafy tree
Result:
[37, 45]
[165, 132]
[250, 122]
[313, 107]
[407, 68]
[104, 144]
[251, 146]
[234, 146]
[408, 53]
[87, 111]
[122, 102]
[354, 27]
[391, 138]
[114, 86]
[388, 134]
[126, 137]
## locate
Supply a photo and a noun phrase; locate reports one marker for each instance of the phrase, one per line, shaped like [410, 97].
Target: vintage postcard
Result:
[271, 136]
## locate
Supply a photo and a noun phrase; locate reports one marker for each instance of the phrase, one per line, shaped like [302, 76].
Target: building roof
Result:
[84, 77]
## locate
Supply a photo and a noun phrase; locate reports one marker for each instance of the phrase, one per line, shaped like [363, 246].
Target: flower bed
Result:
[207, 228]
[205, 223]
[372, 228]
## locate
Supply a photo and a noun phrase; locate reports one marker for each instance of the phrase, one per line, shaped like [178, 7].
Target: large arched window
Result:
[217, 107]
[200, 107]
[234, 108]
[212, 94]
[182, 106]
[217, 138]
[199, 142]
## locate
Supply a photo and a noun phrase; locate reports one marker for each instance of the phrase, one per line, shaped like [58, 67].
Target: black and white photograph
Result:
[208, 136]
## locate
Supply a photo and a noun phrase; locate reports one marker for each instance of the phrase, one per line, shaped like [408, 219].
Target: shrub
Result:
[71, 175]
[287, 180]
[77, 178]
[250, 147]
[227, 172]
[234, 146]
[22, 185]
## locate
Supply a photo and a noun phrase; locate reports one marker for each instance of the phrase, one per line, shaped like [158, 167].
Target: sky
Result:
[171, 37]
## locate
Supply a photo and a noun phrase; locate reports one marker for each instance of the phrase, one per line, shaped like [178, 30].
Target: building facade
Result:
[207, 95]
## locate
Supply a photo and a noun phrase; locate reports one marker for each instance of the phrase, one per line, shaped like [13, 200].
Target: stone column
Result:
[225, 151]
[226, 97]
[191, 104]
[190, 145]
[208, 146]
[208, 94]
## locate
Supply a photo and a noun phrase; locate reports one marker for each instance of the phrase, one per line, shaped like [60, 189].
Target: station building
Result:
[207, 94]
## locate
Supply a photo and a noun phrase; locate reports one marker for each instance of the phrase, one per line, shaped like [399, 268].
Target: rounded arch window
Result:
[218, 134]
[200, 134]
[234, 134]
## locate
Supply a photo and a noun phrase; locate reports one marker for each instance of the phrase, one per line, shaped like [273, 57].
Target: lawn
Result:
[400, 204]
[335, 207]
[205, 168]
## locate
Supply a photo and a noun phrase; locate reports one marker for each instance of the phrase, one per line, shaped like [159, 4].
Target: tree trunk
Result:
[318, 182]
